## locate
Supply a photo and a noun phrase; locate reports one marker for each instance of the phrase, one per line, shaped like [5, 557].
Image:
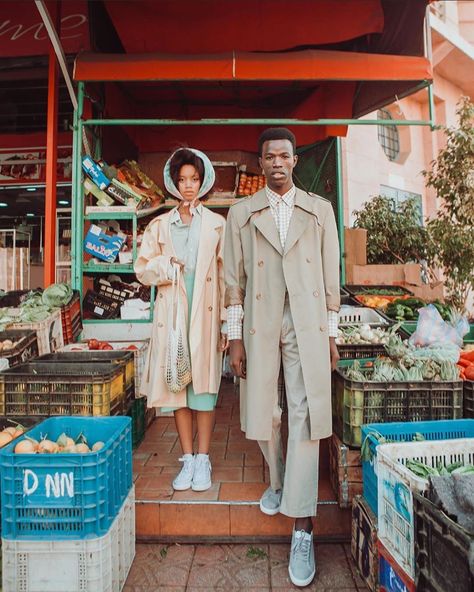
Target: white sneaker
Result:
[270, 501]
[184, 478]
[302, 566]
[202, 473]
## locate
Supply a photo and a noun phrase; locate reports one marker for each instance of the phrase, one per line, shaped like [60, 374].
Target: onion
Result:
[47, 446]
[26, 446]
[65, 441]
[97, 446]
[82, 448]
[5, 438]
[10, 430]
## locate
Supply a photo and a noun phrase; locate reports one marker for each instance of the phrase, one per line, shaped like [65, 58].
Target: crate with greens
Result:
[406, 309]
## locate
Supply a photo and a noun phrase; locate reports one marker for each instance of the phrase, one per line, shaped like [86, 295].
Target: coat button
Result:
[252, 331]
[322, 329]
[208, 279]
[260, 263]
[258, 296]
[209, 308]
[161, 295]
[315, 293]
[160, 324]
[308, 260]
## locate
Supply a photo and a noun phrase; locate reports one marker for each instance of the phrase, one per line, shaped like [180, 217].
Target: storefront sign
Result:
[29, 165]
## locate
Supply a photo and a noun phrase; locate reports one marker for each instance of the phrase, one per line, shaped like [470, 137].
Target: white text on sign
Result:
[55, 485]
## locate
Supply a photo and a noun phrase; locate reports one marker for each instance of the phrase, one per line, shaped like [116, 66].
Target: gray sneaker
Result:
[270, 502]
[302, 566]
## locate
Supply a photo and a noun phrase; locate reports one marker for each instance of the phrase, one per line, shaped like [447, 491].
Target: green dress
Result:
[185, 239]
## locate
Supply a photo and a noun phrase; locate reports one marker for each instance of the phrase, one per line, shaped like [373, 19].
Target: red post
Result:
[51, 157]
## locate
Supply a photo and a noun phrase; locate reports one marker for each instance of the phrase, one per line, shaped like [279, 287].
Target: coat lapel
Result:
[302, 214]
[208, 240]
[264, 221]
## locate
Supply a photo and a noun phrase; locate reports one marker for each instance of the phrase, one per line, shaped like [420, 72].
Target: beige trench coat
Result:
[258, 272]
[207, 310]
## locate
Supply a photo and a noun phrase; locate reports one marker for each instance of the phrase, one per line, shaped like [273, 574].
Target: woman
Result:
[192, 237]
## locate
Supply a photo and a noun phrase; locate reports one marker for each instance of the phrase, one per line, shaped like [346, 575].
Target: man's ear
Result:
[260, 162]
[295, 159]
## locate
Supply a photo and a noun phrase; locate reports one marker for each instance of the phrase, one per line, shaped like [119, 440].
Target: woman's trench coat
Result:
[207, 311]
[258, 272]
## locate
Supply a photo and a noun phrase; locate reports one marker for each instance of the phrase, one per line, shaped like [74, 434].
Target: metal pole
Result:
[76, 197]
[340, 208]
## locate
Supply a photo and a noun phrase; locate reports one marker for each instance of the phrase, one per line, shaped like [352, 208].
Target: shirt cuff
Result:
[333, 323]
[235, 316]
[224, 328]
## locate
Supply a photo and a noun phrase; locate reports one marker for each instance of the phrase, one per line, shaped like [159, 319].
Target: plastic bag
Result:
[178, 363]
[431, 329]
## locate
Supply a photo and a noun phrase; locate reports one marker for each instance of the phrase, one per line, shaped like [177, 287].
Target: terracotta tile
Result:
[229, 474]
[164, 459]
[250, 521]
[154, 482]
[253, 475]
[160, 568]
[224, 463]
[254, 459]
[202, 520]
[243, 446]
[333, 521]
[212, 494]
[154, 494]
[241, 492]
[235, 457]
[147, 519]
[219, 436]
[141, 456]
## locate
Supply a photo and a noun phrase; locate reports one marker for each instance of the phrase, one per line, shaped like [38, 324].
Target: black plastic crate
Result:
[469, 399]
[137, 411]
[57, 388]
[25, 349]
[14, 298]
[358, 351]
[442, 550]
[118, 291]
[99, 306]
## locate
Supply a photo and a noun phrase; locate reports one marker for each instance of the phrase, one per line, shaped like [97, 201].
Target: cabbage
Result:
[57, 295]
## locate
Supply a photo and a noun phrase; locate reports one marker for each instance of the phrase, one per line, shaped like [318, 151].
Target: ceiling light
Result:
[31, 188]
[30, 215]
[3, 204]
[63, 202]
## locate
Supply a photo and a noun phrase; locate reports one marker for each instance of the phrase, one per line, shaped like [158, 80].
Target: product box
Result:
[95, 172]
[345, 471]
[364, 542]
[135, 309]
[101, 245]
[355, 246]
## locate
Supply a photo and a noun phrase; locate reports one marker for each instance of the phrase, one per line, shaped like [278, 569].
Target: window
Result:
[388, 136]
[399, 196]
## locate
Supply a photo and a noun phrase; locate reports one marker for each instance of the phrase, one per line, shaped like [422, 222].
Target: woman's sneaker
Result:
[202, 473]
[184, 478]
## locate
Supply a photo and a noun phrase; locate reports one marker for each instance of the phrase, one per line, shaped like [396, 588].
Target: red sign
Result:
[28, 165]
[22, 32]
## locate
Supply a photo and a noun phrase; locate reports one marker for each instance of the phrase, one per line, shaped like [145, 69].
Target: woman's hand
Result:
[224, 345]
[176, 261]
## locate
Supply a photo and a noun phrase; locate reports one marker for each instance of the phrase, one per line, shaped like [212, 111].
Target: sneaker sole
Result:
[301, 583]
[269, 512]
[181, 488]
[204, 487]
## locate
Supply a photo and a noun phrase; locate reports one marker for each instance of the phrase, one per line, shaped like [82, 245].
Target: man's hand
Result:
[333, 352]
[238, 358]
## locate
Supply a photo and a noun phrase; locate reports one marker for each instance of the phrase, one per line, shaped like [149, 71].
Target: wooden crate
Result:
[345, 471]
[364, 542]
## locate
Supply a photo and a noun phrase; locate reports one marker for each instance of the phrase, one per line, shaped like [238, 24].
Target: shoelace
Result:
[302, 546]
[188, 464]
[203, 461]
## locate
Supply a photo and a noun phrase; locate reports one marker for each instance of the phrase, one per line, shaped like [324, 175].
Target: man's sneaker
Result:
[184, 478]
[202, 473]
[302, 565]
[270, 501]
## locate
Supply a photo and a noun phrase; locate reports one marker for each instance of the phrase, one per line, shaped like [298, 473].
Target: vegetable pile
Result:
[422, 470]
[64, 444]
[364, 334]
[466, 365]
[367, 453]
[10, 433]
[406, 309]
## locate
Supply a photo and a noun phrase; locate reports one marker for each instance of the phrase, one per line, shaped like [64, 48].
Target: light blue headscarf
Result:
[207, 182]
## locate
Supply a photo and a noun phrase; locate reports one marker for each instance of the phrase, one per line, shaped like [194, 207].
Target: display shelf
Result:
[111, 215]
[212, 202]
[114, 321]
[107, 268]
[119, 212]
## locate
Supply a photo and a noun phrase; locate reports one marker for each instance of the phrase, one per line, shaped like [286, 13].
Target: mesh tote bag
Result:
[178, 363]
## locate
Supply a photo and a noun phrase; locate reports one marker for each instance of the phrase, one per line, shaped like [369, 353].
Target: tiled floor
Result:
[223, 568]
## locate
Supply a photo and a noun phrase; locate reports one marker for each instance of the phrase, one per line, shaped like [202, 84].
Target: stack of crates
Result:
[68, 519]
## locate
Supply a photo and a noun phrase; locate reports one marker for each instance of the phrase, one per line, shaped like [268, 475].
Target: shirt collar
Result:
[288, 197]
[176, 218]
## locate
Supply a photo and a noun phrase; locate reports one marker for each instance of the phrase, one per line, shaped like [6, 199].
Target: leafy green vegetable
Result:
[57, 295]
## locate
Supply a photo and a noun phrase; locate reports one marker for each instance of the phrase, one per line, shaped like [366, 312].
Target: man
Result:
[281, 265]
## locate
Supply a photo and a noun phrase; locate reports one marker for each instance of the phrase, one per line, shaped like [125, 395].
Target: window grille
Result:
[388, 136]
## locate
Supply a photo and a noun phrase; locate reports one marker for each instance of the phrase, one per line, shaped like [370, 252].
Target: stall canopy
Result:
[309, 59]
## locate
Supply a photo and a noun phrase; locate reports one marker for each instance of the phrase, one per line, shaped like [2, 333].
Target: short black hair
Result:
[182, 157]
[276, 133]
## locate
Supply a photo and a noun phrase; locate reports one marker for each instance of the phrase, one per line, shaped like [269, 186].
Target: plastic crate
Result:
[364, 542]
[25, 349]
[118, 291]
[71, 318]
[99, 306]
[357, 315]
[137, 412]
[359, 289]
[39, 389]
[442, 550]
[404, 432]
[92, 565]
[357, 351]
[469, 337]
[392, 578]
[67, 496]
[14, 298]
[356, 403]
[469, 398]
[345, 471]
[396, 484]
[49, 332]
[139, 353]
[124, 359]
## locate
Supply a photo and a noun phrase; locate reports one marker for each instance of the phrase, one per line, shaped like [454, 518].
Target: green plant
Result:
[255, 553]
[451, 232]
[394, 234]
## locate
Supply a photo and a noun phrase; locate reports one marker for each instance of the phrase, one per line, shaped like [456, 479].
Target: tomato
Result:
[132, 347]
[93, 344]
[106, 347]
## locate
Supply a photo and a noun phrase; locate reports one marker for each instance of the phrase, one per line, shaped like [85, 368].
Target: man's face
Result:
[278, 161]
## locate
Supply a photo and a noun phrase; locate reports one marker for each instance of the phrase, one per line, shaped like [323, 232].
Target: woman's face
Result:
[189, 182]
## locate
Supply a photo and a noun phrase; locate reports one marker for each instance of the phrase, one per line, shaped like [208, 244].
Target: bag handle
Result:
[175, 296]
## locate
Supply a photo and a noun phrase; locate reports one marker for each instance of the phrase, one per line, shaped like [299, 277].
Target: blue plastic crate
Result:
[63, 496]
[443, 429]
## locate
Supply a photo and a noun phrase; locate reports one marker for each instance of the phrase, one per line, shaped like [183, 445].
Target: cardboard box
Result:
[364, 542]
[102, 245]
[355, 246]
[345, 471]
[94, 171]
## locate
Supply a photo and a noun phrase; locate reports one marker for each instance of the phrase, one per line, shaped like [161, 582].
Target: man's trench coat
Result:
[258, 272]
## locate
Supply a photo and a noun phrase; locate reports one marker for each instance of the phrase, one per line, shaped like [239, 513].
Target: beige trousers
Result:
[299, 478]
